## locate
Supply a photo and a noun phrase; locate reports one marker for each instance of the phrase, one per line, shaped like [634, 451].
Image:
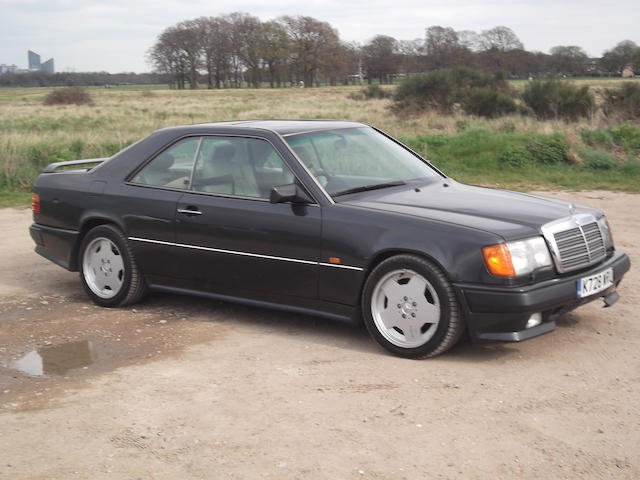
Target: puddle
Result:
[56, 360]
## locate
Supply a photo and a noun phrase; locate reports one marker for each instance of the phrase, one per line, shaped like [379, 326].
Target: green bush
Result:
[517, 157]
[440, 90]
[548, 150]
[622, 102]
[376, 91]
[462, 125]
[488, 102]
[626, 136]
[507, 127]
[597, 160]
[558, 99]
[597, 138]
[631, 168]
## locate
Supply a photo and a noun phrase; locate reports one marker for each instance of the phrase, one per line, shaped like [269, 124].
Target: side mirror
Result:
[289, 193]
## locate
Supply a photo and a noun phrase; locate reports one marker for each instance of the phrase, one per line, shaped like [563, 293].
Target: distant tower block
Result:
[34, 60]
[35, 63]
[48, 66]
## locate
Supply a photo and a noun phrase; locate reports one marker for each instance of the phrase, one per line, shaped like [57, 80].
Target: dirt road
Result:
[182, 388]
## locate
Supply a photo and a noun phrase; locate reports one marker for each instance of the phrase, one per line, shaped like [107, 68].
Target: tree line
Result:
[67, 79]
[239, 49]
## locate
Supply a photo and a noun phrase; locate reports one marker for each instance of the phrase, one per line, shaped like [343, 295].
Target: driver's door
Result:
[233, 240]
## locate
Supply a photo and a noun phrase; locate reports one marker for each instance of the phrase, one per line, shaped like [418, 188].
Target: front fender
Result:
[362, 238]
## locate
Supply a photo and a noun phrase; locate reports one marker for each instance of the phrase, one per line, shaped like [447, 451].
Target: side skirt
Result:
[346, 318]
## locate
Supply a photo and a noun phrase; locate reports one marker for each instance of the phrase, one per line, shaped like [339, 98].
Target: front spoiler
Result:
[500, 314]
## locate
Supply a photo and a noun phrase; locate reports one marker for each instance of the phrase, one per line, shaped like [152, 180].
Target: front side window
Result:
[171, 168]
[346, 159]
[247, 167]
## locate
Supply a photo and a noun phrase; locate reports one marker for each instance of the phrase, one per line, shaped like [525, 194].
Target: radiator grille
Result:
[580, 246]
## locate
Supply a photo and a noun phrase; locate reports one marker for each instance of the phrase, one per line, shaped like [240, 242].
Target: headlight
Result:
[606, 233]
[513, 259]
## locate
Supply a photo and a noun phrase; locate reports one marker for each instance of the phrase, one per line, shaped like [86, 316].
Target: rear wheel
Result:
[108, 270]
[410, 308]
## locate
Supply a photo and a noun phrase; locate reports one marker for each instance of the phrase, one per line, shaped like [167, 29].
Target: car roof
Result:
[288, 127]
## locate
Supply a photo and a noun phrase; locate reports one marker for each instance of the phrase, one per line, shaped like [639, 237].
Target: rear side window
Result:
[172, 167]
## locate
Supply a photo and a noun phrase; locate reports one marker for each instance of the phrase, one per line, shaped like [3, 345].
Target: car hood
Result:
[510, 214]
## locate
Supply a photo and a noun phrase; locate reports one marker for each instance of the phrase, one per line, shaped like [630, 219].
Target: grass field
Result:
[468, 148]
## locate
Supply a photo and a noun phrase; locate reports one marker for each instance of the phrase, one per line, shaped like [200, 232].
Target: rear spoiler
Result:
[85, 165]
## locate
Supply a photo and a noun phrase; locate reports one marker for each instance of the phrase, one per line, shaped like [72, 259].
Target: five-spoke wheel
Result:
[409, 307]
[108, 270]
[103, 267]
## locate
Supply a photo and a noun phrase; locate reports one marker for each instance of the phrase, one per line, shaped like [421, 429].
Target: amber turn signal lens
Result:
[35, 203]
[498, 260]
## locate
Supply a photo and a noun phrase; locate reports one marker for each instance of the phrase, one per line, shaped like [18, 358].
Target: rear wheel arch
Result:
[121, 273]
[86, 225]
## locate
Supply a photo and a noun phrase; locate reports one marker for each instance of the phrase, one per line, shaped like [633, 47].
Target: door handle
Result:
[190, 211]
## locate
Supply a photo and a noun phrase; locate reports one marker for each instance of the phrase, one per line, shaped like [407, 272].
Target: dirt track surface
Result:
[186, 388]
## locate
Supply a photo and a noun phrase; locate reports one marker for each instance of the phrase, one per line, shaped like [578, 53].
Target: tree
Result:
[570, 59]
[411, 55]
[618, 57]
[353, 62]
[216, 48]
[312, 42]
[379, 57]
[494, 44]
[501, 39]
[168, 56]
[442, 46]
[245, 39]
[273, 48]
[189, 44]
[469, 40]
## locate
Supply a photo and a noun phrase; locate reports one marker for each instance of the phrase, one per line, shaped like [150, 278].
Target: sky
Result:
[114, 35]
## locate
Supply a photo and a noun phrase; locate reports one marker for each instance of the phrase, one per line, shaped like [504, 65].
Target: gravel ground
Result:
[187, 388]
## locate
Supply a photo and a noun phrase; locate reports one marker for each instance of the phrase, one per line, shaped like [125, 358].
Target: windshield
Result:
[357, 159]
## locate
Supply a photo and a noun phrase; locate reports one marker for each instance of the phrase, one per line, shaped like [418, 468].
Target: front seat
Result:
[216, 175]
[223, 173]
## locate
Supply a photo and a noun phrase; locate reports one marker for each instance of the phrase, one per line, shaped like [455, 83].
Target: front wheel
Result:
[108, 270]
[410, 308]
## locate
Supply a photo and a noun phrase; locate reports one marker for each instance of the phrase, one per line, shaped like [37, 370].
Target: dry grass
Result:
[30, 131]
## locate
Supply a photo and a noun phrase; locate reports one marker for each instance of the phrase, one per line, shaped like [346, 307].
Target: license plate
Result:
[595, 283]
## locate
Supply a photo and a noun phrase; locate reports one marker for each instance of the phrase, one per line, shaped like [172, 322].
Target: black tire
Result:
[450, 326]
[133, 287]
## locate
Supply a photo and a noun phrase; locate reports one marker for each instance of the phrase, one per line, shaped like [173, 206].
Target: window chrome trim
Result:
[201, 136]
[316, 130]
[195, 161]
[245, 254]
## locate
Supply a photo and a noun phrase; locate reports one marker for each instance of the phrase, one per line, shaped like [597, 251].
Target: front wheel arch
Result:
[383, 255]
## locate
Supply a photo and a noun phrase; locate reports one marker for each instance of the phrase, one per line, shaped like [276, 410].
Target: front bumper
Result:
[496, 313]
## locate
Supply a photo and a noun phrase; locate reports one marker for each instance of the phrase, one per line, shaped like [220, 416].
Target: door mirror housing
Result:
[291, 192]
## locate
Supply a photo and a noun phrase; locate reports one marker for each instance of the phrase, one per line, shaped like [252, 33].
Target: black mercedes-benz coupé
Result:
[328, 218]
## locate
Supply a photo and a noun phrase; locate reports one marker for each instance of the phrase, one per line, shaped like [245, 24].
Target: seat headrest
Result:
[224, 151]
[163, 162]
